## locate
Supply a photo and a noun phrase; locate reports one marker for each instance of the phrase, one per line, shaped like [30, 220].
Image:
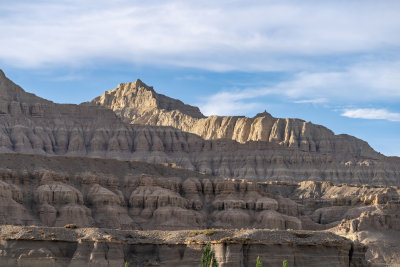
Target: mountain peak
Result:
[263, 114]
[139, 82]
[137, 99]
[2, 75]
[10, 91]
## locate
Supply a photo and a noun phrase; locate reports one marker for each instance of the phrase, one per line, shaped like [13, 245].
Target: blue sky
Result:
[335, 63]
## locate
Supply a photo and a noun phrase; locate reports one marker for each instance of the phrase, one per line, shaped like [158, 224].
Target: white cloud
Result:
[232, 103]
[358, 84]
[213, 35]
[359, 41]
[190, 77]
[371, 113]
[379, 80]
[312, 101]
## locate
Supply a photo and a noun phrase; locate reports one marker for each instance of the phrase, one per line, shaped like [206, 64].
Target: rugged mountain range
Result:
[78, 166]
[260, 148]
[137, 103]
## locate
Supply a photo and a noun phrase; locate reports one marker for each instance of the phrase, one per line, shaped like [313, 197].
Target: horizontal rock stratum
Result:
[112, 194]
[43, 247]
[137, 103]
[150, 180]
[121, 124]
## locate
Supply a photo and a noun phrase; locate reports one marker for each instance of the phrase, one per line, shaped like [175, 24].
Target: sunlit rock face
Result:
[84, 165]
[137, 103]
[261, 148]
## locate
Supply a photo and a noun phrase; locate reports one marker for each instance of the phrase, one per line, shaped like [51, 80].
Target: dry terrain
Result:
[149, 180]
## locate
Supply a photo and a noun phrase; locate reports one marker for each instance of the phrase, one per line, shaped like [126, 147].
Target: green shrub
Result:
[208, 257]
[259, 263]
[285, 263]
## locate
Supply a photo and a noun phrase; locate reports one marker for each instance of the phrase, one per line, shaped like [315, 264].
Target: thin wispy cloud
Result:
[223, 35]
[233, 103]
[357, 84]
[308, 57]
[371, 114]
[312, 101]
[370, 80]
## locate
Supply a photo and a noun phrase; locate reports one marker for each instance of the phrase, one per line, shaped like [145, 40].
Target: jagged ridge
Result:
[30, 125]
[137, 103]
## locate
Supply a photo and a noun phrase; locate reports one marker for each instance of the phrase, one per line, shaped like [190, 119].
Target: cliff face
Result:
[132, 195]
[33, 246]
[136, 103]
[112, 194]
[29, 124]
[58, 166]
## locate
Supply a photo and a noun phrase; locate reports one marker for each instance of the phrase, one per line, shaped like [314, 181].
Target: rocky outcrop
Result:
[31, 125]
[142, 201]
[130, 195]
[378, 228]
[10, 94]
[76, 164]
[42, 246]
[137, 103]
[133, 195]
[59, 204]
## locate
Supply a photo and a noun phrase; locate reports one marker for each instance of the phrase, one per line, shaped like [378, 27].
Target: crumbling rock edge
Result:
[47, 246]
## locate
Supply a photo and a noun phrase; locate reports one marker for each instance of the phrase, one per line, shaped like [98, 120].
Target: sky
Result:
[334, 63]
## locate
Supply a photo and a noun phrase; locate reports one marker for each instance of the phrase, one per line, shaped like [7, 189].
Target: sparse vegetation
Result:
[70, 226]
[207, 232]
[285, 263]
[208, 257]
[126, 264]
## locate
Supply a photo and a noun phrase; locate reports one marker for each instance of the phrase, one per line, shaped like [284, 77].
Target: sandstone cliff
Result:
[137, 103]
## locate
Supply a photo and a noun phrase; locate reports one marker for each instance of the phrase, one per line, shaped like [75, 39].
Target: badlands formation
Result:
[149, 180]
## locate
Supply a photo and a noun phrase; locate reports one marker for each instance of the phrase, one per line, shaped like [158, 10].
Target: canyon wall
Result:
[84, 166]
[134, 195]
[111, 194]
[43, 246]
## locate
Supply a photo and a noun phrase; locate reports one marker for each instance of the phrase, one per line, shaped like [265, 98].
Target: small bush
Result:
[70, 226]
[207, 232]
[208, 257]
[259, 263]
[193, 233]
